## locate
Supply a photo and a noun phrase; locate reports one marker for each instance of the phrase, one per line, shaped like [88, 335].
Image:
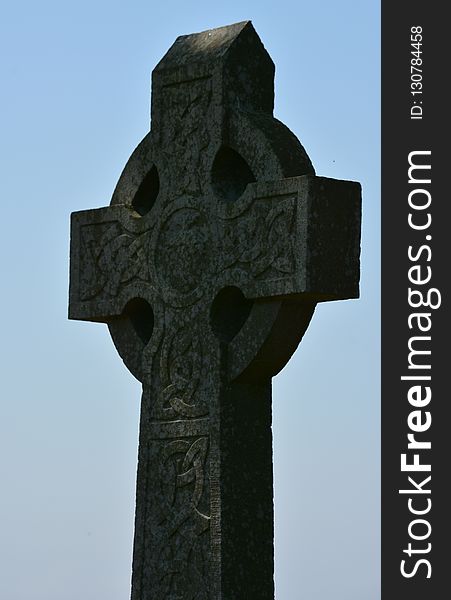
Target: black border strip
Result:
[402, 135]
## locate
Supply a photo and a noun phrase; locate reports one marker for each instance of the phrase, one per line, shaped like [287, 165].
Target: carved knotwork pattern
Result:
[186, 135]
[179, 537]
[261, 241]
[180, 523]
[181, 371]
[110, 259]
[258, 240]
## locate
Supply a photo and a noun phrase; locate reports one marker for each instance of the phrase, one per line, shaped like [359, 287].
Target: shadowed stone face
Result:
[207, 266]
[184, 245]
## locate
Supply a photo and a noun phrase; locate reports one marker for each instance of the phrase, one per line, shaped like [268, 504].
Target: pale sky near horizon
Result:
[74, 103]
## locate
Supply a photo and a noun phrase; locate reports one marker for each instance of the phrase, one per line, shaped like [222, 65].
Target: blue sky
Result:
[74, 104]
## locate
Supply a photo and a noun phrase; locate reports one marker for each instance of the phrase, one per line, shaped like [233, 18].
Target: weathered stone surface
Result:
[207, 266]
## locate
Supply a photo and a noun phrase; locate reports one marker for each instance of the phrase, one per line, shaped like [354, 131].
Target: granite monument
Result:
[218, 242]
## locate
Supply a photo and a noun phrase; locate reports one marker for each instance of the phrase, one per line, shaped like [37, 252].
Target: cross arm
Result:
[107, 262]
[298, 236]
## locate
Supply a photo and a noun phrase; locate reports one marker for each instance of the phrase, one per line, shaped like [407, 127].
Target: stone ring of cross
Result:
[207, 266]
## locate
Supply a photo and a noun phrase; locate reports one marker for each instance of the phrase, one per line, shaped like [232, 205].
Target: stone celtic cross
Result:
[207, 266]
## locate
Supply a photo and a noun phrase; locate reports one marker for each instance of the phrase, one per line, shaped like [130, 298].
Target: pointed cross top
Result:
[211, 46]
[234, 57]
